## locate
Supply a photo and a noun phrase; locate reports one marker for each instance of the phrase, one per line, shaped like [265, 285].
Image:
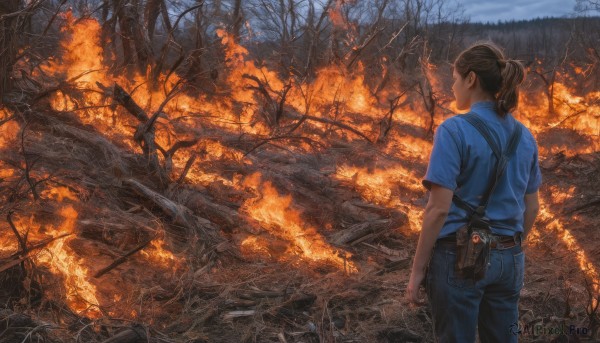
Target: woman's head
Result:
[497, 77]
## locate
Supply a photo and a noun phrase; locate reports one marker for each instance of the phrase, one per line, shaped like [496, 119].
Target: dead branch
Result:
[21, 240]
[19, 257]
[358, 50]
[56, 13]
[180, 214]
[125, 100]
[583, 206]
[28, 165]
[144, 136]
[386, 122]
[331, 122]
[171, 152]
[123, 258]
[571, 116]
[188, 166]
[201, 203]
[262, 89]
[171, 39]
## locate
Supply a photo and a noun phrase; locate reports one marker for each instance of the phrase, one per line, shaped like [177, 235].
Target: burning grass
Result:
[281, 208]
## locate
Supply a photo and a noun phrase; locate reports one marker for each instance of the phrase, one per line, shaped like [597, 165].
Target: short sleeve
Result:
[535, 175]
[445, 160]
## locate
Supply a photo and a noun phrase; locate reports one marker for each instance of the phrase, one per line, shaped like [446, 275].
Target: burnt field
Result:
[174, 176]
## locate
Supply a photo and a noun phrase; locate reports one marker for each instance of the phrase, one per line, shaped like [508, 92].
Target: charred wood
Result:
[358, 232]
[180, 214]
[203, 204]
[145, 134]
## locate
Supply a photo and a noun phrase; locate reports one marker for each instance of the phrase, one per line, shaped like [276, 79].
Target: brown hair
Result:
[497, 76]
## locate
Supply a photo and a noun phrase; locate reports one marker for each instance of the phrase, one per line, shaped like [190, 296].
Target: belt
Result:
[499, 242]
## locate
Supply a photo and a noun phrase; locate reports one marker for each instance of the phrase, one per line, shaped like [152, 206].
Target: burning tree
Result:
[260, 170]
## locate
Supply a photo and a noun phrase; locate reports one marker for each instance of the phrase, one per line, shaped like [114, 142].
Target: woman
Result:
[461, 163]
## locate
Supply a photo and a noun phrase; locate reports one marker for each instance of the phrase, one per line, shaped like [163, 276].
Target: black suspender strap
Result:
[501, 163]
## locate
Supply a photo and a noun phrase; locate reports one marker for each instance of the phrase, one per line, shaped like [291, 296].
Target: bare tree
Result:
[195, 72]
[586, 5]
[9, 37]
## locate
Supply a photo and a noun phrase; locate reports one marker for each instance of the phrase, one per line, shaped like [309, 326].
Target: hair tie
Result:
[501, 63]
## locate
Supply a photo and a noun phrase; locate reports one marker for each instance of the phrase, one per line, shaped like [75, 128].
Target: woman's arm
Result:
[436, 212]
[532, 207]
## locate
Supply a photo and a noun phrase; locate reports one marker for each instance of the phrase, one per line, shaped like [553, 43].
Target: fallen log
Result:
[201, 203]
[180, 214]
[357, 231]
[358, 213]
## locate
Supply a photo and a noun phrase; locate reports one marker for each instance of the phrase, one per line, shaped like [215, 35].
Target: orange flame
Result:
[158, 254]
[276, 214]
[556, 225]
[60, 258]
[377, 186]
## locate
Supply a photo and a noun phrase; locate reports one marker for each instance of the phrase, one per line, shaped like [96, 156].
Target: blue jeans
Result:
[460, 307]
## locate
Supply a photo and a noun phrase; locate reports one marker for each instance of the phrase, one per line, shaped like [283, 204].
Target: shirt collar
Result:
[483, 105]
[485, 109]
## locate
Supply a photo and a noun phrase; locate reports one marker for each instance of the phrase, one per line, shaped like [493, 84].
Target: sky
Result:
[494, 10]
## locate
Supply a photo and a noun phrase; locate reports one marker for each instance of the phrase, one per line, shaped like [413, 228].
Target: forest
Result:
[250, 170]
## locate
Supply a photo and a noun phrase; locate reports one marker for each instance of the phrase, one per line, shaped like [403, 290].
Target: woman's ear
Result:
[471, 79]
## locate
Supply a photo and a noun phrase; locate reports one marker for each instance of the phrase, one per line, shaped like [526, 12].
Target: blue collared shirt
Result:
[462, 161]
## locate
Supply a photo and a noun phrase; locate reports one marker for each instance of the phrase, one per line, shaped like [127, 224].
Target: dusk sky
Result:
[494, 10]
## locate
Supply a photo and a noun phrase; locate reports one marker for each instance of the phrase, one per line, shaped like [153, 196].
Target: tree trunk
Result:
[137, 51]
[9, 37]
[151, 13]
[195, 72]
[237, 20]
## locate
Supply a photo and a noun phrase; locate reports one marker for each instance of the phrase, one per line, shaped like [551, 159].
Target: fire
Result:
[408, 147]
[59, 194]
[255, 246]
[578, 113]
[158, 254]
[60, 258]
[379, 185]
[336, 93]
[276, 214]
[82, 56]
[335, 86]
[8, 133]
[556, 225]
[336, 16]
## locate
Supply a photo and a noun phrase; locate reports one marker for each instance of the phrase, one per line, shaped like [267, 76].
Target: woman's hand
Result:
[414, 286]
[434, 217]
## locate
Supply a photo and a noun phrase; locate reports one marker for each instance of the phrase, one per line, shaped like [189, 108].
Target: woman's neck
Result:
[480, 97]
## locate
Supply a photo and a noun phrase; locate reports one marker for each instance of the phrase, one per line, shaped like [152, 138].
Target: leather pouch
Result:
[473, 250]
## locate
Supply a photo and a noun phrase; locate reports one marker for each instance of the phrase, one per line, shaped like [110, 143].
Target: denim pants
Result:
[460, 307]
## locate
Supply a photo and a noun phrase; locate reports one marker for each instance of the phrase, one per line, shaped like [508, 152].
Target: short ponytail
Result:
[498, 77]
[513, 74]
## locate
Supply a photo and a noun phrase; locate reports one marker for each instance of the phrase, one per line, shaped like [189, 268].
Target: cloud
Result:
[494, 10]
